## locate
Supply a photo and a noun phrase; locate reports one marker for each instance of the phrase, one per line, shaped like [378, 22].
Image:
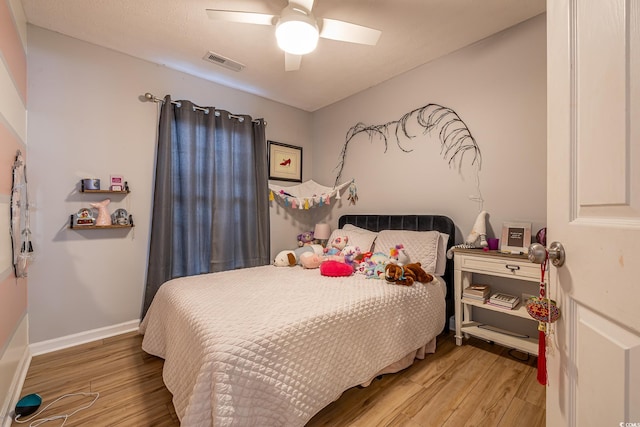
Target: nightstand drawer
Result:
[520, 269]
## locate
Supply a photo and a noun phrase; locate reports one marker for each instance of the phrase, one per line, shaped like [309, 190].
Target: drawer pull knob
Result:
[512, 267]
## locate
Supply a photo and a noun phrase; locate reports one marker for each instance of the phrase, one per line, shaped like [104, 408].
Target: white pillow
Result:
[426, 247]
[355, 227]
[359, 237]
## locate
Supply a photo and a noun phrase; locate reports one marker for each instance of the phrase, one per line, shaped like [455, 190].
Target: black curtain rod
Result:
[153, 98]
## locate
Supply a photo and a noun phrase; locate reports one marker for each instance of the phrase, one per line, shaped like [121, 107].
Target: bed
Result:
[272, 346]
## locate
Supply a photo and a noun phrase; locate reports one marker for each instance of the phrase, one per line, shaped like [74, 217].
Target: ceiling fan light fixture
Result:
[298, 35]
[297, 30]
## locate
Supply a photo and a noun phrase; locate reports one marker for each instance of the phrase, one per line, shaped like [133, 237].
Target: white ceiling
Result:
[178, 33]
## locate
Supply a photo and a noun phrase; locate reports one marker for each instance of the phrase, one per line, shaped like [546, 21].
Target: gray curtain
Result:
[211, 204]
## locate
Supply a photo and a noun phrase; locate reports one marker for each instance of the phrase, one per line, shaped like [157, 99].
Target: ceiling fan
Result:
[298, 30]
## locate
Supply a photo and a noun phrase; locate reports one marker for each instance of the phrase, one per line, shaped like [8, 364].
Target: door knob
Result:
[538, 253]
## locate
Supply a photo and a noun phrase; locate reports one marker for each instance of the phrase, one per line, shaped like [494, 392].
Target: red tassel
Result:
[542, 359]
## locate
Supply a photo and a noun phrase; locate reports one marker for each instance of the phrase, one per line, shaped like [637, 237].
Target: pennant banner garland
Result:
[310, 194]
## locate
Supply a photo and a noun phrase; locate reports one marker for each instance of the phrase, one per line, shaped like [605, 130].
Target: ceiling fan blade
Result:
[242, 17]
[347, 32]
[292, 62]
[306, 4]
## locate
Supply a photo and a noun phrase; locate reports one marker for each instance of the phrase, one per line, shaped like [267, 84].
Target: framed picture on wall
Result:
[516, 237]
[285, 162]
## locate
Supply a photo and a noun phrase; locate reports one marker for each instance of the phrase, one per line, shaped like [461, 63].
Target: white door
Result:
[593, 199]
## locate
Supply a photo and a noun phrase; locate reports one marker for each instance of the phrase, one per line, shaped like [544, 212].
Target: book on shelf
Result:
[480, 292]
[475, 298]
[501, 307]
[501, 299]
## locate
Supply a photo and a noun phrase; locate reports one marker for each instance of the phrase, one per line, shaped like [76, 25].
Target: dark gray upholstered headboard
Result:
[439, 223]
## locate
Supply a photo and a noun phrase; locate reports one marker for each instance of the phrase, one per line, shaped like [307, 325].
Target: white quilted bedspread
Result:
[270, 346]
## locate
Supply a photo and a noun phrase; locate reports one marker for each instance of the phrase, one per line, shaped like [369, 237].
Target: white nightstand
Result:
[492, 263]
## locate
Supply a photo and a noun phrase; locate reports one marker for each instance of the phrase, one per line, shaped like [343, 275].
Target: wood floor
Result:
[473, 385]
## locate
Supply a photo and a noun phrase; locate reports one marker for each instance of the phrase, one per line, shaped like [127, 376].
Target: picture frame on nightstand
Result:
[516, 237]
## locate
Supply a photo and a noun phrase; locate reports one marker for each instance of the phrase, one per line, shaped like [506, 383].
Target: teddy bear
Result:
[306, 238]
[407, 274]
[337, 245]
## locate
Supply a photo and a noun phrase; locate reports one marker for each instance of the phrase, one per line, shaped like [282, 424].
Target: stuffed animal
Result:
[379, 258]
[310, 260]
[407, 274]
[285, 259]
[336, 245]
[318, 249]
[478, 235]
[350, 254]
[306, 238]
[302, 249]
[333, 268]
[364, 256]
[373, 266]
[477, 238]
[376, 272]
[398, 255]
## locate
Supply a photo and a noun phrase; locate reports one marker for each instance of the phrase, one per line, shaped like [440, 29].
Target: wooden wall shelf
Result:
[125, 189]
[99, 227]
[83, 190]
[105, 191]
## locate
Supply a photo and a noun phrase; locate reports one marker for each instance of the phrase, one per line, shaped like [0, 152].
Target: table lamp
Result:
[322, 233]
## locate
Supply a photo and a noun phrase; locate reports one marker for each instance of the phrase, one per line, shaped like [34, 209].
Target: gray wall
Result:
[498, 88]
[85, 119]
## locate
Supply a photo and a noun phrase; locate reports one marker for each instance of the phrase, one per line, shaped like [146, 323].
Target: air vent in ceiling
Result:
[223, 61]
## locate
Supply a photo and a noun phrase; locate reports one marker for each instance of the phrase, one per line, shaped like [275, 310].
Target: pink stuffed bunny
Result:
[337, 245]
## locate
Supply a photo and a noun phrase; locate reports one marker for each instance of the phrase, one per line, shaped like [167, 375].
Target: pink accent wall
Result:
[13, 293]
[12, 50]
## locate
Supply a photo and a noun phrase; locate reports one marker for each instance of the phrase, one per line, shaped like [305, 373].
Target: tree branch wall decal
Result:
[455, 137]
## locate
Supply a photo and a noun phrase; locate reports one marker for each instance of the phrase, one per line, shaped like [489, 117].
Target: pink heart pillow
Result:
[333, 268]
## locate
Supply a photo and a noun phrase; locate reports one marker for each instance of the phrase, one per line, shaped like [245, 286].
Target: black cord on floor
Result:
[522, 359]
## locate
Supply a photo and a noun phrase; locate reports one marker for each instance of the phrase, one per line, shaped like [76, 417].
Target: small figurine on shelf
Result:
[103, 213]
[90, 184]
[83, 217]
[120, 217]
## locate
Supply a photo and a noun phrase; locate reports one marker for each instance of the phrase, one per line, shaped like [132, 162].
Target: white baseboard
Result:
[83, 337]
[15, 363]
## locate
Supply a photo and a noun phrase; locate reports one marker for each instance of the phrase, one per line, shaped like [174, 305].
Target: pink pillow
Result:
[333, 268]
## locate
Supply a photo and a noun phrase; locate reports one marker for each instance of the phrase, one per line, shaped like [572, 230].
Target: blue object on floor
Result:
[28, 405]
